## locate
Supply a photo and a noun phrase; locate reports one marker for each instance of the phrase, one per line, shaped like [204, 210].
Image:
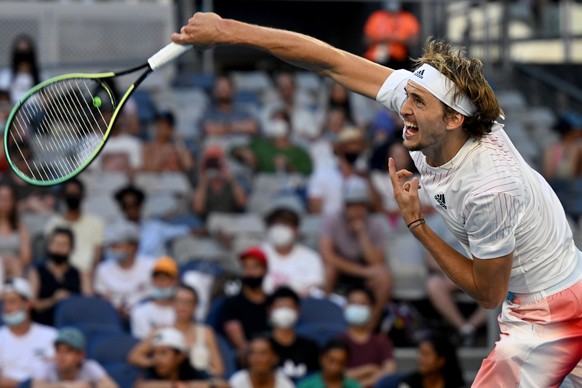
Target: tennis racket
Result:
[59, 127]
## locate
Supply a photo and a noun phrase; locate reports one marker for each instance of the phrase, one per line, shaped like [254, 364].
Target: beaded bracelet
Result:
[420, 219]
[419, 222]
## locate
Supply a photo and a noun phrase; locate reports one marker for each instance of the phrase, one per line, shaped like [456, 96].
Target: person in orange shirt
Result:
[389, 33]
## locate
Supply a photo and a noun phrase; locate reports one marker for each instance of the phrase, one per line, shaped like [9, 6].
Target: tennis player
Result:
[502, 211]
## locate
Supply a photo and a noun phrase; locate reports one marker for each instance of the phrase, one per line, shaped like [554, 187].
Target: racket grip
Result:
[167, 55]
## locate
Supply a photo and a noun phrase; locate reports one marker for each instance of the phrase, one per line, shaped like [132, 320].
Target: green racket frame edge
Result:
[97, 150]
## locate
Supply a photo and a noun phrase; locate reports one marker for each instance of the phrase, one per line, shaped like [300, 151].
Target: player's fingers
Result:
[393, 177]
[414, 185]
[403, 174]
[178, 38]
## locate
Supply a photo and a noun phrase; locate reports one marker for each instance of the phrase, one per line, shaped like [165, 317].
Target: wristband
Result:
[420, 222]
[420, 219]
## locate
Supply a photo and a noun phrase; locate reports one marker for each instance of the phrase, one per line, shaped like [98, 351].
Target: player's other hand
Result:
[405, 193]
[202, 31]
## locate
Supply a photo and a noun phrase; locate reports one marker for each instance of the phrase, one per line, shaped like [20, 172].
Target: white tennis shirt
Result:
[495, 203]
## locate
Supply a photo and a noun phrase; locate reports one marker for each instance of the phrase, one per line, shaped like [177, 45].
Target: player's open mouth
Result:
[410, 129]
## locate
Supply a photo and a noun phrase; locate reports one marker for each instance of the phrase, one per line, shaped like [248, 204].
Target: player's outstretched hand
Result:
[405, 193]
[202, 31]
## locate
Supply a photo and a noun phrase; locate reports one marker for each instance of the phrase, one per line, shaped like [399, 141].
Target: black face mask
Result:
[351, 157]
[58, 259]
[73, 202]
[252, 282]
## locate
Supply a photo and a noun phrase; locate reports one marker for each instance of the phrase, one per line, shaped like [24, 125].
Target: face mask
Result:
[357, 314]
[280, 235]
[212, 173]
[253, 282]
[276, 128]
[73, 202]
[14, 319]
[351, 157]
[57, 258]
[163, 293]
[118, 255]
[284, 317]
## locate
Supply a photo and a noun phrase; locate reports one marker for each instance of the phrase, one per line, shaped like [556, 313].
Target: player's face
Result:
[424, 126]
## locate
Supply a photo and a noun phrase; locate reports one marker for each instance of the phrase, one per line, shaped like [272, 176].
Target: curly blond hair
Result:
[467, 74]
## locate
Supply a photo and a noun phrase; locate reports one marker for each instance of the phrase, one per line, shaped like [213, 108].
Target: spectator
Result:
[159, 311]
[224, 118]
[125, 278]
[389, 34]
[24, 71]
[24, 345]
[244, 315]
[166, 152]
[54, 279]
[170, 362]
[298, 356]
[34, 200]
[124, 152]
[339, 98]
[290, 263]
[262, 371]
[15, 245]
[321, 147]
[87, 229]
[154, 234]
[371, 356]
[324, 189]
[563, 159]
[276, 152]
[334, 360]
[5, 109]
[441, 290]
[70, 365]
[438, 365]
[200, 340]
[298, 105]
[352, 247]
[218, 189]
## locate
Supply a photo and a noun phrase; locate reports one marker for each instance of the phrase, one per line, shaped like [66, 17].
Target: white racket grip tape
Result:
[167, 55]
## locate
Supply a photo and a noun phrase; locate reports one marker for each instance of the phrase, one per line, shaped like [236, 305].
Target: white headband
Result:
[443, 88]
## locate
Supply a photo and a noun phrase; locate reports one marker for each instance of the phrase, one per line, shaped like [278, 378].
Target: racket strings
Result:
[58, 129]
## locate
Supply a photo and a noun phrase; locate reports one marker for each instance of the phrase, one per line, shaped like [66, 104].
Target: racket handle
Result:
[167, 55]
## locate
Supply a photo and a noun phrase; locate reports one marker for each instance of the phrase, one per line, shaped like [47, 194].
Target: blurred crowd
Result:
[245, 238]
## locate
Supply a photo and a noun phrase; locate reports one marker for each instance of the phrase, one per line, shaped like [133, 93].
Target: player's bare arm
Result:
[205, 30]
[487, 281]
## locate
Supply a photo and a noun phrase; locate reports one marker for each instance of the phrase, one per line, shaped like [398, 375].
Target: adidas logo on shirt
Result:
[440, 198]
[419, 73]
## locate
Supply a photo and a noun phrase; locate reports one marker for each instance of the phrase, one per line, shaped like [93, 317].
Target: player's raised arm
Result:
[206, 30]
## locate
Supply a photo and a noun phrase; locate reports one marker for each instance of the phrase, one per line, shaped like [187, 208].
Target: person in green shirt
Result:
[275, 152]
[334, 360]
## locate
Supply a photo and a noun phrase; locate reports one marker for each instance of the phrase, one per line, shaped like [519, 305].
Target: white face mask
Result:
[14, 319]
[357, 314]
[284, 317]
[276, 128]
[280, 235]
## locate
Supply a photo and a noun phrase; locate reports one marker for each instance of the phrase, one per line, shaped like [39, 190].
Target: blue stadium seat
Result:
[123, 374]
[228, 356]
[110, 348]
[390, 381]
[91, 315]
[320, 310]
[204, 266]
[212, 316]
[321, 332]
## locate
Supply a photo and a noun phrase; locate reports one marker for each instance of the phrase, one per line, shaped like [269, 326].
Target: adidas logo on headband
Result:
[419, 73]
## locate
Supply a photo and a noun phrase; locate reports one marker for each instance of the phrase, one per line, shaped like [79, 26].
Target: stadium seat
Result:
[91, 315]
[321, 332]
[123, 374]
[320, 311]
[228, 356]
[390, 381]
[110, 348]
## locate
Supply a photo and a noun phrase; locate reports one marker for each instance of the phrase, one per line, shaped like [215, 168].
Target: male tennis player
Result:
[500, 209]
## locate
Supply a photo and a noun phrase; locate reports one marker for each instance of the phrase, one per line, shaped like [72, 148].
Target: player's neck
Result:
[444, 151]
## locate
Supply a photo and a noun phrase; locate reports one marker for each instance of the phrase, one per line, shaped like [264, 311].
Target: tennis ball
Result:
[96, 101]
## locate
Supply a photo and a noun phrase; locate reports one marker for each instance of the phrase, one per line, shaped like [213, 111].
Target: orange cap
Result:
[166, 265]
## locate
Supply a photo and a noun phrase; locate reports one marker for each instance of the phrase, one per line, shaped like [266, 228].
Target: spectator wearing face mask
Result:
[87, 229]
[324, 189]
[23, 73]
[124, 279]
[24, 345]
[276, 152]
[244, 315]
[159, 311]
[298, 356]
[55, 279]
[290, 263]
[371, 356]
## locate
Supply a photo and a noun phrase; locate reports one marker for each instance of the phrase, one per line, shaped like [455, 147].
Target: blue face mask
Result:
[118, 255]
[163, 293]
[357, 314]
[14, 319]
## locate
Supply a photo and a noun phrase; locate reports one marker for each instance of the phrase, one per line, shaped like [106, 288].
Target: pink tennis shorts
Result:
[540, 342]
